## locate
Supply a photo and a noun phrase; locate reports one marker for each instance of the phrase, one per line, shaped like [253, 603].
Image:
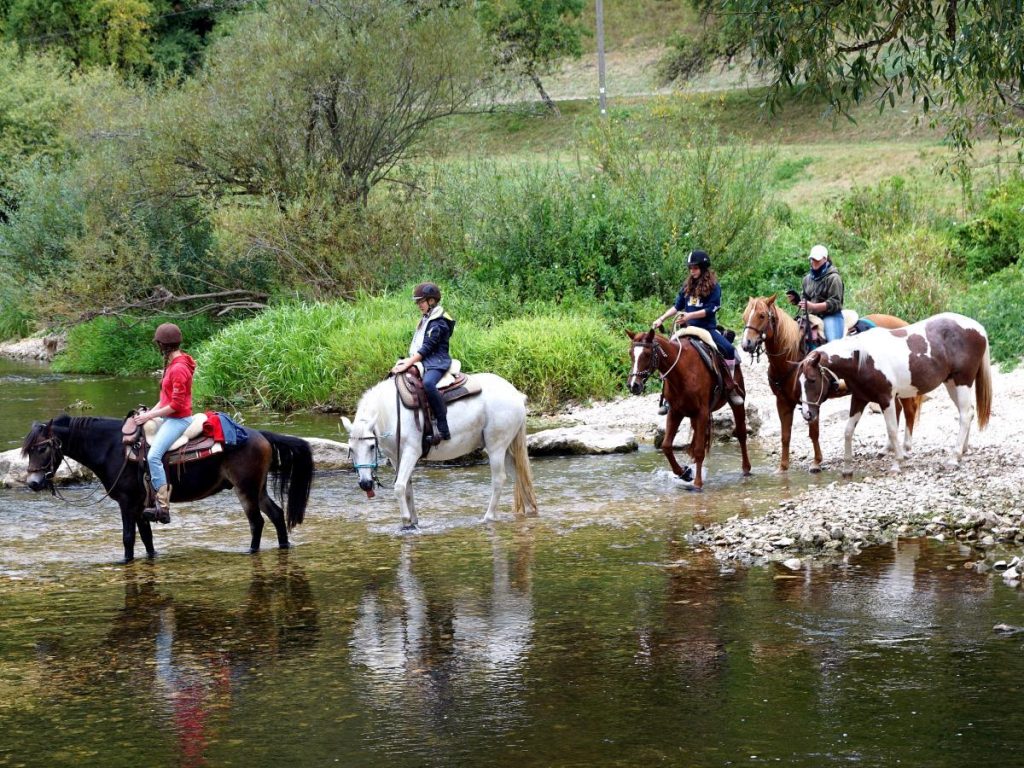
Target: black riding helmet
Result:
[426, 291]
[698, 259]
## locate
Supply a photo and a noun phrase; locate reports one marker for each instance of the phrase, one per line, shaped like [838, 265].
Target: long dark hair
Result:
[701, 286]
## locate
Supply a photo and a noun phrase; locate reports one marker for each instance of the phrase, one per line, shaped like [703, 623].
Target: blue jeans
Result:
[728, 350]
[430, 378]
[833, 326]
[169, 431]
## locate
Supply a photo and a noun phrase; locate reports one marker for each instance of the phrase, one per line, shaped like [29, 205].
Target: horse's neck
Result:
[671, 351]
[88, 445]
[783, 346]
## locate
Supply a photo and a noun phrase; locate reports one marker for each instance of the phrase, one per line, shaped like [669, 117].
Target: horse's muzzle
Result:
[809, 412]
[366, 484]
[635, 387]
[37, 481]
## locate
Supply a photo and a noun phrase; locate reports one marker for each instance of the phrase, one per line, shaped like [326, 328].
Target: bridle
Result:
[762, 334]
[825, 391]
[373, 464]
[655, 362]
[55, 457]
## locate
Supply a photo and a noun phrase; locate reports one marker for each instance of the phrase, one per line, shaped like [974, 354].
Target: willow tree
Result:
[961, 60]
[325, 97]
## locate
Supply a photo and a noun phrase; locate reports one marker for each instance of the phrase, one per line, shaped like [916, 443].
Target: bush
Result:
[118, 346]
[995, 239]
[870, 212]
[998, 304]
[911, 275]
[319, 355]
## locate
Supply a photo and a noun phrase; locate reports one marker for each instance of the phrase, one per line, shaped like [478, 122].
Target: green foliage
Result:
[870, 212]
[119, 346]
[909, 274]
[316, 355]
[40, 231]
[994, 239]
[16, 317]
[998, 304]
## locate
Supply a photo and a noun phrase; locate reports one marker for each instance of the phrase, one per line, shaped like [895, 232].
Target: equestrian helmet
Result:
[426, 291]
[698, 259]
[167, 333]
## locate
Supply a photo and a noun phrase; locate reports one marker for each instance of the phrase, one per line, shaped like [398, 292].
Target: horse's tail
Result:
[524, 497]
[983, 391]
[292, 468]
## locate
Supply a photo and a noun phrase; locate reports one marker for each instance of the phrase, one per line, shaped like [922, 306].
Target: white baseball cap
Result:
[818, 253]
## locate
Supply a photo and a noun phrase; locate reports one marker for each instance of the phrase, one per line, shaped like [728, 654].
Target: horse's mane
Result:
[73, 424]
[788, 335]
[370, 404]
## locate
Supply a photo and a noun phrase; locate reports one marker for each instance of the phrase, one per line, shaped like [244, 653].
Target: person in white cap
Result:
[823, 293]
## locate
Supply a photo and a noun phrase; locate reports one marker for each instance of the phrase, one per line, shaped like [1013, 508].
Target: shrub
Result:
[995, 239]
[118, 346]
[998, 304]
[871, 212]
[911, 275]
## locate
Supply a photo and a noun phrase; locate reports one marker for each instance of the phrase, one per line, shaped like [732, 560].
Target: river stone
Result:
[577, 441]
[14, 470]
[329, 454]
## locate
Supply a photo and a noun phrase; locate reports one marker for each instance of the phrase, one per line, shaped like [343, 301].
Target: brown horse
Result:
[691, 390]
[96, 443]
[765, 325]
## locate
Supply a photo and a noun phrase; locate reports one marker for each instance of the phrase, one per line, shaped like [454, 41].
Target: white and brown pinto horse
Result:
[771, 330]
[883, 365]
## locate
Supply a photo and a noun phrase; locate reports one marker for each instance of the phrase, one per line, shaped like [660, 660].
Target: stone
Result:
[580, 441]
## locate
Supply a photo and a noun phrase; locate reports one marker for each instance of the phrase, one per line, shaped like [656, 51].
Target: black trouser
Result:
[437, 404]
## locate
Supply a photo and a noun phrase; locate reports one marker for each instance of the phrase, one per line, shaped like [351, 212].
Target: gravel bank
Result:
[981, 502]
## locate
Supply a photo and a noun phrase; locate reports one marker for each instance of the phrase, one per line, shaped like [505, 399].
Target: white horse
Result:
[494, 420]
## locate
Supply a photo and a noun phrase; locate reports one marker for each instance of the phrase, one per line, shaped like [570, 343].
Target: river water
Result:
[591, 635]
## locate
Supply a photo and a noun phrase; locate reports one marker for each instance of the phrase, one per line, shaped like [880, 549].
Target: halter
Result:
[824, 391]
[655, 364]
[372, 465]
[762, 335]
[55, 458]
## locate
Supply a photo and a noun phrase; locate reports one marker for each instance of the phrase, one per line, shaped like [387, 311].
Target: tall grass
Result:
[327, 355]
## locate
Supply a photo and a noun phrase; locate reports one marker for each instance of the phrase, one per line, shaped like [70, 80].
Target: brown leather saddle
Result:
[414, 397]
[137, 446]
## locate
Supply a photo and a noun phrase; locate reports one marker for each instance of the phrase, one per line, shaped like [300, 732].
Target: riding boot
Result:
[437, 405]
[150, 512]
[662, 405]
[163, 504]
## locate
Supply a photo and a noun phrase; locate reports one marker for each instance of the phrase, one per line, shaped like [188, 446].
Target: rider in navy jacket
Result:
[430, 347]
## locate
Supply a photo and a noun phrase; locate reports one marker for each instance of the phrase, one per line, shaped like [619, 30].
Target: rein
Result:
[53, 464]
[824, 392]
[656, 356]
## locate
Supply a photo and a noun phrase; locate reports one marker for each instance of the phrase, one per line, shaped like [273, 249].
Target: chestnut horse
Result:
[690, 391]
[765, 325]
[884, 365]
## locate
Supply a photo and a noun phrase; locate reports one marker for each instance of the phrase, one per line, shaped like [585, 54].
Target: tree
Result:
[529, 36]
[962, 60]
[321, 97]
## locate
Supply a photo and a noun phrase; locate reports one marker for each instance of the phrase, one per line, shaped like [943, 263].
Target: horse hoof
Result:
[410, 528]
[816, 469]
[847, 475]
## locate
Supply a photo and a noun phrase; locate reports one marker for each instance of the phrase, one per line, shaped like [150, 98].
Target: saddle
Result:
[193, 445]
[454, 385]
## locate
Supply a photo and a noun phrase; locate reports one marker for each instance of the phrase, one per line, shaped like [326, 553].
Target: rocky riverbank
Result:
[981, 502]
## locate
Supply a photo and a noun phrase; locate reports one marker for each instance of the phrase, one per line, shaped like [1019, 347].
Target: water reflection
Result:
[431, 651]
[190, 658]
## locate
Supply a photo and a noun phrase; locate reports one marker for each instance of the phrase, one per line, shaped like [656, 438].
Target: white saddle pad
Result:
[698, 333]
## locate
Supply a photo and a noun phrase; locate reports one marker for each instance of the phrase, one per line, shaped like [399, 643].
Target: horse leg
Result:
[698, 447]
[739, 417]
[276, 516]
[249, 498]
[403, 489]
[785, 409]
[671, 428]
[498, 476]
[128, 518]
[911, 407]
[813, 429]
[145, 533]
[961, 397]
[892, 426]
[856, 411]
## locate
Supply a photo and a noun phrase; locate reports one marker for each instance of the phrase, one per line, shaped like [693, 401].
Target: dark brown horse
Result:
[764, 324]
[691, 390]
[96, 443]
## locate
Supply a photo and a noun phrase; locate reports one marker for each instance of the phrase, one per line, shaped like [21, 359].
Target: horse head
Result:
[760, 320]
[644, 351]
[364, 451]
[44, 452]
[817, 384]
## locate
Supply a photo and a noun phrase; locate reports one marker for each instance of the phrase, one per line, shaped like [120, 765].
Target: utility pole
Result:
[600, 57]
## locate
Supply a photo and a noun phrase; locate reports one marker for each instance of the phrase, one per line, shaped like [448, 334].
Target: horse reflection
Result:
[193, 655]
[432, 651]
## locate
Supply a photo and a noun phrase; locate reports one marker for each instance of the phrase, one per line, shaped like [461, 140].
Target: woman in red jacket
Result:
[175, 407]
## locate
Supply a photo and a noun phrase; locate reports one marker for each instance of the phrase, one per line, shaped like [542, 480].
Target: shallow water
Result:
[591, 635]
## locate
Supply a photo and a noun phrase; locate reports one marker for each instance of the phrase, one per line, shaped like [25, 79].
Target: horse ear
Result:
[346, 423]
[629, 334]
[771, 300]
[649, 337]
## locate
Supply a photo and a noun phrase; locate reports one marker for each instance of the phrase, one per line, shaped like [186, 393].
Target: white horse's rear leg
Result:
[961, 396]
[496, 459]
